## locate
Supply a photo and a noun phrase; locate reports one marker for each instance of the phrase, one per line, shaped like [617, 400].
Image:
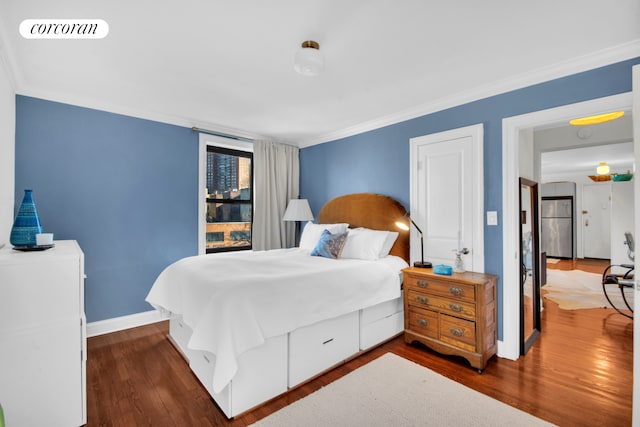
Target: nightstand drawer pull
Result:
[422, 283]
[455, 307]
[327, 341]
[423, 322]
[457, 332]
[456, 291]
[422, 300]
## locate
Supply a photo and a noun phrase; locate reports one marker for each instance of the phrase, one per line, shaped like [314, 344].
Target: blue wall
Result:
[124, 188]
[378, 161]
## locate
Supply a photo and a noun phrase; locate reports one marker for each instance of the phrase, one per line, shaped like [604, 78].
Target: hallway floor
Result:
[590, 265]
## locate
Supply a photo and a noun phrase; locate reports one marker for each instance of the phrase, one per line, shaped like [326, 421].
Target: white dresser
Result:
[43, 336]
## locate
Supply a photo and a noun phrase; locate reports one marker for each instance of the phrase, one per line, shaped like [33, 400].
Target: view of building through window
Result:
[229, 186]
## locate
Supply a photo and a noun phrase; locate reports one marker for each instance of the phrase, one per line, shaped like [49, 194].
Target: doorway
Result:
[514, 129]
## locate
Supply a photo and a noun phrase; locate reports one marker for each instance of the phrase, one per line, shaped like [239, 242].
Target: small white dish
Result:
[44, 239]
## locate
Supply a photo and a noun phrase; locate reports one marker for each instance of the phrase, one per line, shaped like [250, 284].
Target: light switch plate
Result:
[492, 218]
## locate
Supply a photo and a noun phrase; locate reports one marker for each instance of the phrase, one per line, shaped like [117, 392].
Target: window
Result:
[215, 236]
[229, 199]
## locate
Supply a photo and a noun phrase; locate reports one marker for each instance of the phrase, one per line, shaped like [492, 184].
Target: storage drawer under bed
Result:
[381, 330]
[381, 322]
[380, 311]
[180, 334]
[317, 347]
[261, 375]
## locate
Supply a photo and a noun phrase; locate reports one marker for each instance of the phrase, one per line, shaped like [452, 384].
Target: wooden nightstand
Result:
[451, 314]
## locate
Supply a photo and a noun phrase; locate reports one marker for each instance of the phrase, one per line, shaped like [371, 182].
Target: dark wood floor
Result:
[579, 373]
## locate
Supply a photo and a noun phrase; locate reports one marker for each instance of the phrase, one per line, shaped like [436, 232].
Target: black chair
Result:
[623, 281]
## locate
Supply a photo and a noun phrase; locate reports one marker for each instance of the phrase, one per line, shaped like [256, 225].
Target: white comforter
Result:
[235, 301]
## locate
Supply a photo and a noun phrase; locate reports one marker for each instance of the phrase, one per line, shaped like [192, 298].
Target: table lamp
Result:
[403, 224]
[298, 210]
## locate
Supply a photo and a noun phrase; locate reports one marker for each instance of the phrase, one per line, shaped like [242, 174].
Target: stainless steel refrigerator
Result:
[556, 227]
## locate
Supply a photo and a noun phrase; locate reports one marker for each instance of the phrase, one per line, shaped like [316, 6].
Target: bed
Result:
[254, 324]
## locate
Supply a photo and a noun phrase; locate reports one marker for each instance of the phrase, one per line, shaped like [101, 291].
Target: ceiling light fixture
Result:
[603, 169]
[594, 120]
[308, 60]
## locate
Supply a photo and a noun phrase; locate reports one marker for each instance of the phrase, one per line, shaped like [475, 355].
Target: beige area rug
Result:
[393, 391]
[553, 260]
[577, 289]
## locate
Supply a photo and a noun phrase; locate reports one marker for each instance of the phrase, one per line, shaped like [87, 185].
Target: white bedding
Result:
[235, 301]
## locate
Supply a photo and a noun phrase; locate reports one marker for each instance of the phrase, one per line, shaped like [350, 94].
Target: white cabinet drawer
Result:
[382, 310]
[47, 370]
[180, 333]
[315, 348]
[262, 375]
[43, 336]
[202, 364]
[38, 293]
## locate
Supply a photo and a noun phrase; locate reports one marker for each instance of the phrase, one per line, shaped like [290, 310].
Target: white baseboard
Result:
[124, 322]
[507, 352]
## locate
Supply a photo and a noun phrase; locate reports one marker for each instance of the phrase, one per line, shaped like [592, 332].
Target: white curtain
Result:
[276, 172]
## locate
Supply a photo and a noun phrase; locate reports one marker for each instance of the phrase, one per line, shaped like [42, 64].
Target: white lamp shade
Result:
[298, 210]
[308, 60]
[603, 169]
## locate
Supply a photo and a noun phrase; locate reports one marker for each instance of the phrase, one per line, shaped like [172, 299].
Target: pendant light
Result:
[603, 169]
[599, 118]
[308, 59]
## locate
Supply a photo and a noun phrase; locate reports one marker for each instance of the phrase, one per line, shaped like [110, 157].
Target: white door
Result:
[447, 195]
[596, 221]
[622, 221]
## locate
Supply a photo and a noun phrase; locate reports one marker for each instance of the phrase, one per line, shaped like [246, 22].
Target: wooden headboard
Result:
[368, 210]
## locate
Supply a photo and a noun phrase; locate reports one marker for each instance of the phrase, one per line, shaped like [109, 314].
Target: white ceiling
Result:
[576, 161]
[572, 151]
[228, 65]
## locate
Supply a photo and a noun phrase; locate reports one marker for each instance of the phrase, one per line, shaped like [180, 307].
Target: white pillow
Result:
[312, 232]
[363, 243]
[388, 243]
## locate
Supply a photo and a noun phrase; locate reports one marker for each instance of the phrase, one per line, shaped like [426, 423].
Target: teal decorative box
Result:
[443, 269]
[622, 177]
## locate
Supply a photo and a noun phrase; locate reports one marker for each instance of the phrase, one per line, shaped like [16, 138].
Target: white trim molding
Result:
[476, 133]
[635, 419]
[116, 324]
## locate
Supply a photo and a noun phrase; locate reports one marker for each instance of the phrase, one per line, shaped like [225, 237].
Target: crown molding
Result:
[8, 63]
[137, 113]
[591, 61]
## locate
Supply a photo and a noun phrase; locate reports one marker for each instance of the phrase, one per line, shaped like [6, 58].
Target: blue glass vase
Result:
[27, 223]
